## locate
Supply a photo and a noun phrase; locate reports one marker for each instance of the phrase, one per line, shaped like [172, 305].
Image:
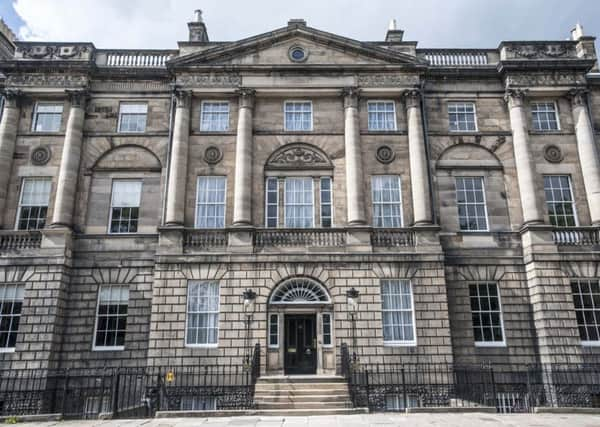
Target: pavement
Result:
[362, 420]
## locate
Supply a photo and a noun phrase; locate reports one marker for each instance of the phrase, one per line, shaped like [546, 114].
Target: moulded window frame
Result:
[374, 101]
[215, 101]
[20, 203]
[135, 132]
[110, 212]
[97, 315]
[224, 203]
[285, 205]
[401, 202]
[34, 121]
[460, 101]
[487, 218]
[187, 316]
[556, 115]
[298, 101]
[404, 343]
[573, 201]
[501, 310]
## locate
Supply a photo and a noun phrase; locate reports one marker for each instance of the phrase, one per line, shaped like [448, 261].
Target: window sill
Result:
[399, 343]
[590, 343]
[549, 132]
[115, 348]
[121, 132]
[202, 346]
[464, 132]
[490, 344]
[7, 350]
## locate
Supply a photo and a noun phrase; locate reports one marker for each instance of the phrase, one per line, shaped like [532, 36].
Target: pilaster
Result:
[8, 139]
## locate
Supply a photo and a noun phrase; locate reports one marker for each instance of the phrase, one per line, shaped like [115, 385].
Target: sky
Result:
[160, 24]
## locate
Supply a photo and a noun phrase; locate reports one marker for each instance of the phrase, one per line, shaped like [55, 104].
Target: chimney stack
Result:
[197, 28]
[393, 34]
[577, 32]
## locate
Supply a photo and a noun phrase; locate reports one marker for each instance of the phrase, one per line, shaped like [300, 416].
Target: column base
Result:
[422, 224]
[357, 223]
[242, 224]
[173, 225]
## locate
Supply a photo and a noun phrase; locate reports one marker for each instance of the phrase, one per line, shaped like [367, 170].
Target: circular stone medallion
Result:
[40, 155]
[553, 154]
[212, 155]
[385, 154]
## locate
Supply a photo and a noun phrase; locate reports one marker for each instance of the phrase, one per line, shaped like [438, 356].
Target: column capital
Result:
[515, 97]
[578, 97]
[412, 98]
[77, 97]
[12, 97]
[247, 96]
[183, 98]
[351, 94]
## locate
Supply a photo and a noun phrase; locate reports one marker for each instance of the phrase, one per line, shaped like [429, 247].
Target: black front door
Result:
[300, 344]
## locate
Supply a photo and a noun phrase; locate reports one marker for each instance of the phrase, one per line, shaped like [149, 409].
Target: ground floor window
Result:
[274, 331]
[202, 314]
[396, 402]
[11, 304]
[486, 313]
[327, 341]
[398, 312]
[586, 297]
[198, 403]
[111, 318]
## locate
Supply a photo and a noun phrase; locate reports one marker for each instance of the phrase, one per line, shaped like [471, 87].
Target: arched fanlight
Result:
[300, 291]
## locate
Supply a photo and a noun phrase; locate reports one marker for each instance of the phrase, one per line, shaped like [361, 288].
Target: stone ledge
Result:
[452, 410]
[31, 418]
[566, 410]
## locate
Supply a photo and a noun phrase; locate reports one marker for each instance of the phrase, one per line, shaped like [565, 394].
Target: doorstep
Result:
[31, 418]
[263, 412]
[565, 410]
[452, 410]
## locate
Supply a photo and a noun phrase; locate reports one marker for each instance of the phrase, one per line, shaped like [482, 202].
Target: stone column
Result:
[179, 160]
[242, 186]
[8, 139]
[354, 173]
[66, 187]
[532, 214]
[419, 178]
[589, 158]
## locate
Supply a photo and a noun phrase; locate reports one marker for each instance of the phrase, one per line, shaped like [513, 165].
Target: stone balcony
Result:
[577, 237]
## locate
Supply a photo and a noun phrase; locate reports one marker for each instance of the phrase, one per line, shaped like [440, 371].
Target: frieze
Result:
[556, 78]
[540, 51]
[55, 52]
[387, 80]
[47, 80]
[209, 80]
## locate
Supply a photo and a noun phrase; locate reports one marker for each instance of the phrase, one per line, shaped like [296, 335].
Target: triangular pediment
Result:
[274, 48]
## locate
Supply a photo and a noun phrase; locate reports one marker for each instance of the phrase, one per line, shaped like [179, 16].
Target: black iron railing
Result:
[507, 388]
[128, 392]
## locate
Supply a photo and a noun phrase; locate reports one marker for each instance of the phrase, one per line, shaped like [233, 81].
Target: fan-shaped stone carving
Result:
[298, 156]
[300, 291]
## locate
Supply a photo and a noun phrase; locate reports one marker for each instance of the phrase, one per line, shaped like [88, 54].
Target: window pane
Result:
[470, 200]
[397, 311]
[559, 200]
[586, 298]
[202, 313]
[461, 117]
[214, 117]
[111, 317]
[33, 208]
[326, 203]
[381, 115]
[486, 314]
[47, 117]
[210, 204]
[387, 201]
[544, 116]
[299, 202]
[298, 115]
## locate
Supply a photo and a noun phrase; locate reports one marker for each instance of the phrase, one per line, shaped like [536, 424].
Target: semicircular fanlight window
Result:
[300, 291]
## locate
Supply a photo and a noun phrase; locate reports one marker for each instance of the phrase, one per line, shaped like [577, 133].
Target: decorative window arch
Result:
[300, 290]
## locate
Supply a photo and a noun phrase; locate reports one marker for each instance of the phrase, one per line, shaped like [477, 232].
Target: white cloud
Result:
[161, 23]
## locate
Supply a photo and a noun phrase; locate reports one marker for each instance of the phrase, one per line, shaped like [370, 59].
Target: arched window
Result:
[300, 291]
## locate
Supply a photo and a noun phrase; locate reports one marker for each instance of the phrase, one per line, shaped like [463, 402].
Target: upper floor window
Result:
[298, 115]
[387, 201]
[382, 115]
[299, 202]
[326, 202]
[210, 202]
[11, 303]
[486, 313]
[272, 202]
[544, 116]
[559, 200]
[586, 297]
[461, 116]
[214, 116]
[111, 317]
[125, 206]
[202, 328]
[398, 315]
[133, 116]
[33, 204]
[47, 117]
[470, 199]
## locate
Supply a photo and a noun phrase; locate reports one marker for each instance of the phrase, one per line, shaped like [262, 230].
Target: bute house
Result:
[299, 190]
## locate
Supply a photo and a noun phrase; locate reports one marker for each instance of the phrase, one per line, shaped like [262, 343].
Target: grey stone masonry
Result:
[414, 176]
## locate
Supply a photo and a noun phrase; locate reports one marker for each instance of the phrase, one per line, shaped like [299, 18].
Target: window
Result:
[298, 115]
[214, 116]
[396, 402]
[559, 200]
[272, 203]
[398, 313]
[274, 331]
[326, 203]
[210, 202]
[33, 205]
[586, 297]
[387, 201]
[327, 341]
[544, 116]
[11, 303]
[382, 115]
[486, 313]
[462, 116]
[202, 327]
[47, 117]
[198, 403]
[470, 198]
[299, 202]
[125, 206]
[132, 117]
[111, 318]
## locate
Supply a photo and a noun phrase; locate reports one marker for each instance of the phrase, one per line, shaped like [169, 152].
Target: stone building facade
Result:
[144, 193]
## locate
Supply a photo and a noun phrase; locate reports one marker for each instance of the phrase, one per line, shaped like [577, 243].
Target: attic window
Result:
[297, 54]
